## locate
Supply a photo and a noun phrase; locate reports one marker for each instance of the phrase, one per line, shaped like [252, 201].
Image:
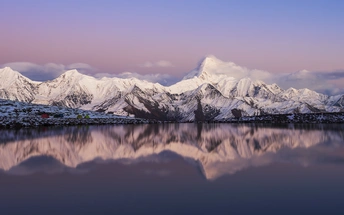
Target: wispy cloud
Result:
[161, 63]
[327, 82]
[47, 71]
[50, 71]
[81, 66]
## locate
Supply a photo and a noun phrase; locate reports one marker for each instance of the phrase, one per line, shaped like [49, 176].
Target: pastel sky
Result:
[169, 37]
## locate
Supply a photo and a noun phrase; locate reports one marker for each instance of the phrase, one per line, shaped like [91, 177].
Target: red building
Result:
[45, 115]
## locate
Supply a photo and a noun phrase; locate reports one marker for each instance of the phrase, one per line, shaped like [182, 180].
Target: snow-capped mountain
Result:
[14, 86]
[206, 93]
[217, 149]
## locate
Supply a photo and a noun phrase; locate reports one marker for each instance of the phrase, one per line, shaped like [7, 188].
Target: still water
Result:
[173, 169]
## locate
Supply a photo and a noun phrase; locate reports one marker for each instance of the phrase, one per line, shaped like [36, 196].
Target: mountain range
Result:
[203, 94]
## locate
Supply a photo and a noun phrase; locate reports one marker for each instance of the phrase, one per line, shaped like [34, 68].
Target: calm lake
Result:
[173, 169]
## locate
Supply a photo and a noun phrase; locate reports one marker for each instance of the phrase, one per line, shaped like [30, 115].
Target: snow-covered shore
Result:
[292, 118]
[8, 122]
[20, 114]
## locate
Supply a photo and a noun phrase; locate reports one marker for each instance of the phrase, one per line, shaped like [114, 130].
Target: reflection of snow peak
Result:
[217, 87]
[219, 149]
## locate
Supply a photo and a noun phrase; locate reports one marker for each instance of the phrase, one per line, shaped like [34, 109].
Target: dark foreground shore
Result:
[291, 118]
[10, 122]
[13, 122]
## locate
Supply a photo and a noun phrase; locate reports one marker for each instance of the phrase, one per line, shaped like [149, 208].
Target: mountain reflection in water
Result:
[217, 149]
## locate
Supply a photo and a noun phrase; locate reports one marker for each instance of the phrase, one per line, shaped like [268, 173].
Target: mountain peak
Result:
[72, 72]
[205, 67]
[16, 85]
[209, 61]
[211, 69]
[210, 57]
[8, 76]
[7, 70]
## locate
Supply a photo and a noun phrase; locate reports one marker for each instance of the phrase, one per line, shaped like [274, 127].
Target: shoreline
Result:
[27, 122]
[301, 118]
[307, 118]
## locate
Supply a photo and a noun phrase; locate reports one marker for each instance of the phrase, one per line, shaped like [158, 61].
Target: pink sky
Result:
[115, 36]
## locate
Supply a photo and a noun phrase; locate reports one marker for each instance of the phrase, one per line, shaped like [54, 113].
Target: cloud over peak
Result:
[327, 82]
[47, 71]
[161, 63]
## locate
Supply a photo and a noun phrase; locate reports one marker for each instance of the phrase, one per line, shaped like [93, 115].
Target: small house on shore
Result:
[45, 115]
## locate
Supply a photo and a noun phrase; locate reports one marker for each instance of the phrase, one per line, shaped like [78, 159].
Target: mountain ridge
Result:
[206, 90]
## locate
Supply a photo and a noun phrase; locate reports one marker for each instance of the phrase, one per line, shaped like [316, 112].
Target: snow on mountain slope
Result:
[313, 99]
[211, 91]
[73, 89]
[14, 86]
[185, 85]
[305, 95]
[226, 77]
[210, 70]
